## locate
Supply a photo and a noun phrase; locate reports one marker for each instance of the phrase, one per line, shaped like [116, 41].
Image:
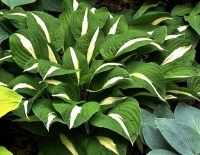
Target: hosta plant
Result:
[82, 75]
[172, 134]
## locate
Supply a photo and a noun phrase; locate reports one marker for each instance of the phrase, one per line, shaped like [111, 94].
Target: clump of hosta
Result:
[81, 76]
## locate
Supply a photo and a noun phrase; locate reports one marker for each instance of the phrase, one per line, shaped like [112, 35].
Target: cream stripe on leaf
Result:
[111, 100]
[113, 29]
[106, 65]
[34, 66]
[26, 44]
[75, 5]
[52, 57]
[75, 63]
[43, 26]
[177, 53]
[180, 92]
[68, 144]
[18, 14]
[25, 104]
[62, 95]
[51, 70]
[159, 20]
[85, 23]
[6, 57]
[3, 84]
[92, 45]
[23, 85]
[75, 111]
[51, 117]
[112, 81]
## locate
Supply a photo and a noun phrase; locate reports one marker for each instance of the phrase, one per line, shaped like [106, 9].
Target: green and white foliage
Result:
[176, 134]
[82, 76]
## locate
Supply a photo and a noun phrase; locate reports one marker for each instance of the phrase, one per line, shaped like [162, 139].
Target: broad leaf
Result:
[52, 5]
[9, 100]
[194, 21]
[4, 34]
[196, 9]
[4, 151]
[14, 3]
[181, 137]
[181, 10]
[162, 152]
[162, 111]
[5, 78]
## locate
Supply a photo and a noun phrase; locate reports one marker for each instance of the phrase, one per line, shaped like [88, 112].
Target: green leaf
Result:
[148, 118]
[159, 34]
[52, 5]
[66, 92]
[4, 151]
[188, 115]
[73, 59]
[69, 7]
[75, 115]
[44, 110]
[162, 111]
[196, 9]
[181, 137]
[181, 10]
[26, 44]
[173, 71]
[124, 119]
[148, 76]
[5, 78]
[161, 152]
[9, 100]
[4, 34]
[45, 23]
[194, 84]
[154, 138]
[14, 3]
[194, 22]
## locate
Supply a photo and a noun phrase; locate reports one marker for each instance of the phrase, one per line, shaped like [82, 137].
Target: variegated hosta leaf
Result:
[181, 92]
[179, 50]
[83, 21]
[148, 76]
[115, 25]
[175, 71]
[66, 92]
[49, 69]
[5, 56]
[69, 7]
[27, 84]
[73, 59]
[75, 115]
[5, 78]
[44, 110]
[31, 66]
[90, 44]
[26, 44]
[194, 84]
[194, 22]
[117, 45]
[48, 25]
[17, 18]
[124, 119]
[9, 100]
[108, 79]
[159, 34]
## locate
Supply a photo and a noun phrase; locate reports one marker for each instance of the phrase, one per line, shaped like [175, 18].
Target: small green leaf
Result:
[196, 9]
[9, 100]
[4, 151]
[194, 22]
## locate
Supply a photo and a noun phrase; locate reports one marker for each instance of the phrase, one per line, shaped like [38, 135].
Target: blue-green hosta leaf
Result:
[181, 10]
[108, 79]
[14, 3]
[124, 119]
[182, 92]
[194, 21]
[73, 59]
[162, 152]
[117, 45]
[90, 44]
[194, 84]
[162, 111]
[154, 138]
[48, 25]
[148, 76]
[17, 17]
[196, 9]
[45, 111]
[66, 92]
[9, 100]
[82, 22]
[115, 25]
[144, 8]
[4, 151]
[26, 44]
[5, 78]
[188, 115]
[173, 71]
[181, 137]
[75, 115]
[148, 118]
[69, 7]
[49, 69]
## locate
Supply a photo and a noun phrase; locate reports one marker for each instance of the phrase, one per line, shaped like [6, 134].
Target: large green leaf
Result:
[14, 3]
[162, 152]
[148, 76]
[194, 22]
[52, 5]
[9, 100]
[48, 25]
[181, 10]
[181, 137]
[196, 9]
[45, 111]
[188, 115]
[4, 34]
[26, 44]
[5, 78]
[69, 7]
[4, 151]
[124, 119]
[75, 115]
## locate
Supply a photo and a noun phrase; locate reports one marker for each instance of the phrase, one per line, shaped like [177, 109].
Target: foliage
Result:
[176, 133]
[85, 74]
